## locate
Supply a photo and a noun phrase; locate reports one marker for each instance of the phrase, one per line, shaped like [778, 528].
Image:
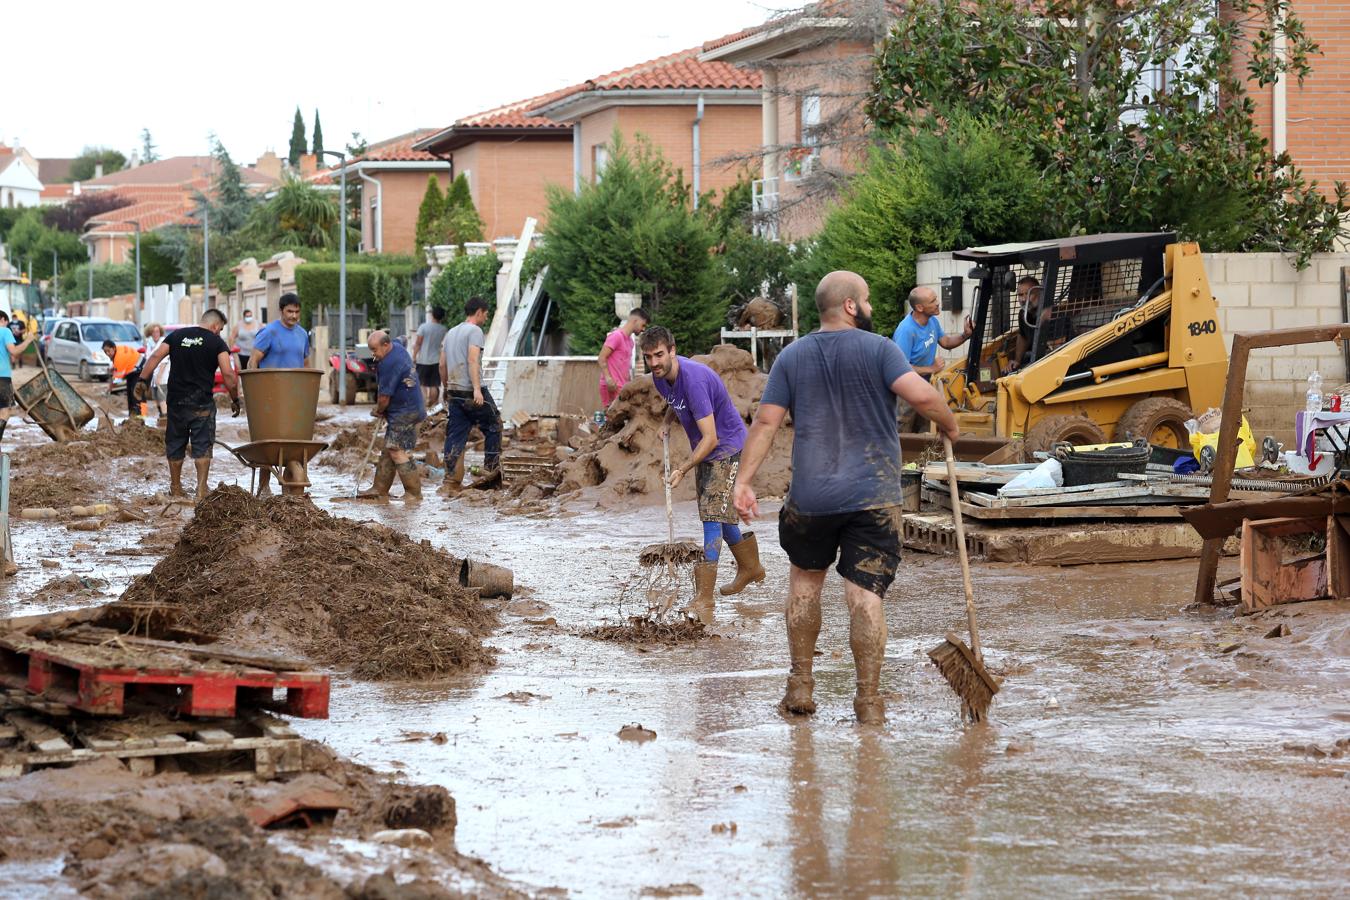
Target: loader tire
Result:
[1053, 429]
[1158, 420]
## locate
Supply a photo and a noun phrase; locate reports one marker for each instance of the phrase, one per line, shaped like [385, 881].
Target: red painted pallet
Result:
[99, 679]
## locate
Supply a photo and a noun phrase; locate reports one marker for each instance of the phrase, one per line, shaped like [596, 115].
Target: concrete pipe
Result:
[491, 581]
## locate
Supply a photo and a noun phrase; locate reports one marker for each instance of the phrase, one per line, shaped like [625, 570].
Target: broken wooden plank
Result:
[1051, 513]
[41, 736]
[209, 652]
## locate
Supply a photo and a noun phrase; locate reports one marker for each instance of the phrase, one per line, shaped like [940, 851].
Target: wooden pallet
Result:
[97, 677]
[255, 747]
[522, 466]
[936, 534]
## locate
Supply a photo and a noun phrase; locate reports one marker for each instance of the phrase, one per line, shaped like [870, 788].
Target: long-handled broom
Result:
[963, 666]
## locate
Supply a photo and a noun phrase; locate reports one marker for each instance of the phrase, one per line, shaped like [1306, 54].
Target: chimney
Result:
[269, 164]
[309, 164]
[98, 170]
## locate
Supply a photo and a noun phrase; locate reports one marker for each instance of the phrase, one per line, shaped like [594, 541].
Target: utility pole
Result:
[56, 280]
[139, 317]
[91, 275]
[341, 373]
[206, 258]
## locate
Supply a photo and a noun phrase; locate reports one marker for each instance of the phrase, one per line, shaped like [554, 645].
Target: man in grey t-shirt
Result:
[466, 402]
[427, 354]
[840, 384]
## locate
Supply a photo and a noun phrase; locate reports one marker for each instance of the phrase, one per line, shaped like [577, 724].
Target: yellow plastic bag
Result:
[1246, 455]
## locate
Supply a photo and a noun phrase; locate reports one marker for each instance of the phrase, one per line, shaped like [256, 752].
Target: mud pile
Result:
[134, 438]
[625, 462]
[58, 490]
[283, 572]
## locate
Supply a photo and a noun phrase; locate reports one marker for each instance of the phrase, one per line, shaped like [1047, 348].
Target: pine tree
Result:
[297, 139]
[430, 214]
[318, 139]
[149, 152]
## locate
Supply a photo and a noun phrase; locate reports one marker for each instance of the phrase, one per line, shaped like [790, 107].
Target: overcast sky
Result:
[96, 74]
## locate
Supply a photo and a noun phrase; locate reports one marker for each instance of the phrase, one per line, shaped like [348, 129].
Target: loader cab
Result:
[1080, 284]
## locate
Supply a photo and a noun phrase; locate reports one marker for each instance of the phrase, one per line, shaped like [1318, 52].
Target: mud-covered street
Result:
[1138, 745]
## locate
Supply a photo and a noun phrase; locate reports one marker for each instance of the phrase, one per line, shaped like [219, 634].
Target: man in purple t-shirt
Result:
[616, 356]
[698, 399]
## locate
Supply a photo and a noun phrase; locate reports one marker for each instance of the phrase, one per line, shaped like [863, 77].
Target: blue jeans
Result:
[461, 415]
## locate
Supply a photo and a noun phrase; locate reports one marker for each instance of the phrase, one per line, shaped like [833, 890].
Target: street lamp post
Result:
[341, 374]
[56, 282]
[138, 266]
[91, 277]
[206, 258]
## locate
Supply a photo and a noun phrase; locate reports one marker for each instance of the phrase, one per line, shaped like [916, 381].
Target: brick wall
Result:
[1318, 116]
[401, 193]
[726, 131]
[1255, 292]
[509, 179]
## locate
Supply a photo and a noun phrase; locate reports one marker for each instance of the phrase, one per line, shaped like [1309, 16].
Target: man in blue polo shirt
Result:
[919, 335]
[401, 406]
[283, 344]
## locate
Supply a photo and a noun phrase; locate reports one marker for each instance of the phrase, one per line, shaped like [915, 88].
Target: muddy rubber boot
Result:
[748, 569]
[802, 630]
[384, 479]
[454, 481]
[703, 604]
[492, 478]
[867, 638]
[412, 480]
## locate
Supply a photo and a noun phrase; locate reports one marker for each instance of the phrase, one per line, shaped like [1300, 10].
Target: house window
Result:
[802, 159]
[1160, 79]
[599, 159]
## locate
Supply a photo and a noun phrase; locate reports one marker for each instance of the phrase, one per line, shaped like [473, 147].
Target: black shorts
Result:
[429, 374]
[867, 543]
[194, 424]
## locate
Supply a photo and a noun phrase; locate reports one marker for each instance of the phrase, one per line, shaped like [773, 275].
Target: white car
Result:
[76, 345]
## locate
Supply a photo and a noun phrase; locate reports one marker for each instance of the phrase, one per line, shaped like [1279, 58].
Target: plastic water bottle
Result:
[1314, 404]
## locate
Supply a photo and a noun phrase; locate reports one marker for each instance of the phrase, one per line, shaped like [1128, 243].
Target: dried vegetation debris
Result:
[132, 439]
[352, 595]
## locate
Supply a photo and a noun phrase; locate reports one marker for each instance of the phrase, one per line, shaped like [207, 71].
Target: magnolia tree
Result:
[1137, 113]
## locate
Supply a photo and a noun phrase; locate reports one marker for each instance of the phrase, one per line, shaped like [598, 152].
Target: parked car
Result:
[45, 339]
[77, 345]
[220, 382]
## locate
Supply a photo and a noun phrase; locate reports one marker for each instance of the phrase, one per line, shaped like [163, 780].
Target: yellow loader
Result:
[1088, 339]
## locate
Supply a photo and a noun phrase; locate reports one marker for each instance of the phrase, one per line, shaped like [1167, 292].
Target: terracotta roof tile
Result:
[176, 170]
[513, 115]
[677, 70]
[397, 149]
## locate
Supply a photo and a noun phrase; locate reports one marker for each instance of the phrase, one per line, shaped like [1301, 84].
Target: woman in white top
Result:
[154, 336]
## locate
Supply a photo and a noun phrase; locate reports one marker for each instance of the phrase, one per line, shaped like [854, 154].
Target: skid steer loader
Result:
[1088, 339]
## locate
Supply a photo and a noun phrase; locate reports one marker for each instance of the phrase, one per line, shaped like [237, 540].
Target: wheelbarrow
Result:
[281, 404]
[53, 404]
[288, 460]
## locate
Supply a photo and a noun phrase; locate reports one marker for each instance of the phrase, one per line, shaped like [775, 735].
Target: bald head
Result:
[379, 343]
[922, 296]
[835, 289]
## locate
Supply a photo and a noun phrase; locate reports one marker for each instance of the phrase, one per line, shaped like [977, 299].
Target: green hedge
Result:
[371, 286]
[463, 278]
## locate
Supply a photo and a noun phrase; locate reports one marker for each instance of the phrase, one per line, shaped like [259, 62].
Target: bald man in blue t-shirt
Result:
[918, 336]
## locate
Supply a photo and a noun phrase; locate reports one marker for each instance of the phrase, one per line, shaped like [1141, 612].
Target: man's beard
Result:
[862, 320]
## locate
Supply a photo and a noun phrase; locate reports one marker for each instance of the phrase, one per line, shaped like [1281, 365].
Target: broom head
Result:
[975, 686]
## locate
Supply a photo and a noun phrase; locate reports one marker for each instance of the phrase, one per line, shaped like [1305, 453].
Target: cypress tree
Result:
[297, 139]
[430, 213]
[318, 139]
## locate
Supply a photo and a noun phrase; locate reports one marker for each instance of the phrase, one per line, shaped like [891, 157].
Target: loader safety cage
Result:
[1084, 283]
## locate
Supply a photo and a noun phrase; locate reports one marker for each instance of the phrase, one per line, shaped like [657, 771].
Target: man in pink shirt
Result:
[616, 356]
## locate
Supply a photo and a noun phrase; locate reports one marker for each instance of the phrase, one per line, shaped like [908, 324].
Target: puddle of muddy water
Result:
[1157, 768]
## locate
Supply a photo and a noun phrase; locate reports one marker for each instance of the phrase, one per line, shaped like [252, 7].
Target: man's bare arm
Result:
[476, 376]
[768, 420]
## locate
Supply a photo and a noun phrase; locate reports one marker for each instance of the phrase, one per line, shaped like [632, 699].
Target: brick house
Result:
[161, 193]
[391, 178]
[816, 66]
[704, 117]
[509, 158]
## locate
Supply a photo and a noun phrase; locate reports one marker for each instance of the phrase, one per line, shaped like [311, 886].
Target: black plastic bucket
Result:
[1099, 466]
